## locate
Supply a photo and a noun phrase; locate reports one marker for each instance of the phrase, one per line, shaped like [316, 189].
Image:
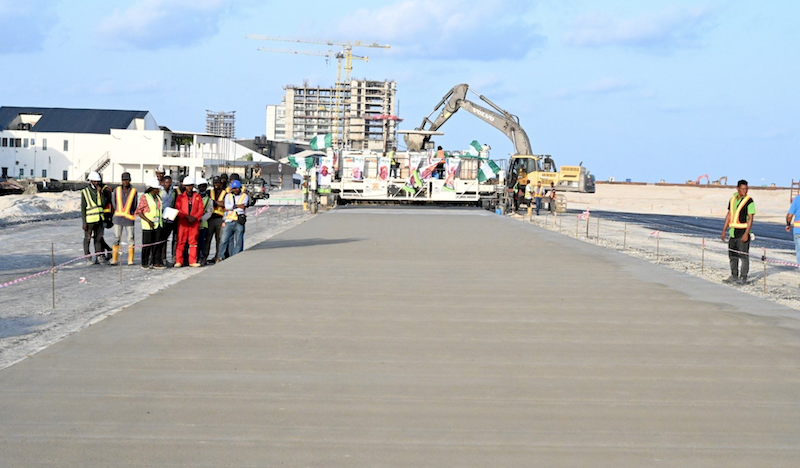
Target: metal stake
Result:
[703, 258]
[764, 261]
[597, 239]
[53, 272]
[625, 236]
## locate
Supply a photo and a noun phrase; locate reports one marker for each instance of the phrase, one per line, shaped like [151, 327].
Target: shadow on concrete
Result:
[290, 243]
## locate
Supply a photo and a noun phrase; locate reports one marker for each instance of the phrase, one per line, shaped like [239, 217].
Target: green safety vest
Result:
[94, 208]
[154, 213]
[206, 200]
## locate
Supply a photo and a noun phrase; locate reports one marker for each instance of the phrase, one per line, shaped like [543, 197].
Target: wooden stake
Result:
[703, 258]
[53, 272]
[764, 261]
[625, 236]
[597, 238]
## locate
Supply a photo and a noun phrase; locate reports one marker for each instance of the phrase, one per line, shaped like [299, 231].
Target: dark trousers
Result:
[736, 245]
[169, 228]
[215, 231]
[202, 253]
[94, 230]
[394, 168]
[151, 254]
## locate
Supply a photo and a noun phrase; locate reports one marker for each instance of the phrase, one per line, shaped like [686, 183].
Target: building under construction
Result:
[221, 124]
[366, 118]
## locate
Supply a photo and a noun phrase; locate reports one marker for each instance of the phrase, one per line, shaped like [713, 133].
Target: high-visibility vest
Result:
[538, 192]
[124, 206]
[529, 191]
[232, 215]
[220, 197]
[94, 208]
[736, 220]
[206, 201]
[391, 157]
[154, 213]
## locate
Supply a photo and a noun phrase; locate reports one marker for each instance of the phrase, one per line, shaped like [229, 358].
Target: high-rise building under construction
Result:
[221, 123]
[366, 119]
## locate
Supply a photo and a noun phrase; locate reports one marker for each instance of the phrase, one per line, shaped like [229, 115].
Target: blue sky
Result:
[643, 90]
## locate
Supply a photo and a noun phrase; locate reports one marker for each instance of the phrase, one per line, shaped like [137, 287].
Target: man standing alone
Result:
[124, 203]
[793, 221]
[190, 209]
[739, 221]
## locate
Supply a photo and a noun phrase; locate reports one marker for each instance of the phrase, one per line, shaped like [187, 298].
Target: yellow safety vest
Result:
[391, 157]
[94, 208]
[736, 211]
[220, 197]
[232, 215]
[538, 192]
[154, 213]
[206, 201]
[124, 207]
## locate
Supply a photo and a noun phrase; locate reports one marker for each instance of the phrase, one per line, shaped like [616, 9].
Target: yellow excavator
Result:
[524, 166]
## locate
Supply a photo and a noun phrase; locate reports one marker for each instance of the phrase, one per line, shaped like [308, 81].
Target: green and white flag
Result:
[301, 163]
[488, 170]
[322, 141]
[477, 146]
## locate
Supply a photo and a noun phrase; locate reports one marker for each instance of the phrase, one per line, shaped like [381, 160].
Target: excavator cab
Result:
[520, 167]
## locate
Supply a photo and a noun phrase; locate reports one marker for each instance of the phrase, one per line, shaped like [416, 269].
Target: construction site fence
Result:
[259, 217]
[772, 269]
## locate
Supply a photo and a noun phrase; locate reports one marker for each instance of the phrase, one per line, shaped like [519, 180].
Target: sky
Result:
[643, 90]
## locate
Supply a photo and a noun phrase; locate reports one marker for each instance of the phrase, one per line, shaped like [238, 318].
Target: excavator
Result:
[524, 167]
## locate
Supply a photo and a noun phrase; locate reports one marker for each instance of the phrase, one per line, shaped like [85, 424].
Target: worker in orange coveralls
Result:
[190, 209]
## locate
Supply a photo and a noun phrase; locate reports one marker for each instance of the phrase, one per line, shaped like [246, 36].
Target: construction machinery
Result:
[524, 167]
[346, 56]
[721, 181]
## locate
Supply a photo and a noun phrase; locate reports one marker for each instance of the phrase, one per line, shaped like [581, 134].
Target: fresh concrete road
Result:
[418, 337]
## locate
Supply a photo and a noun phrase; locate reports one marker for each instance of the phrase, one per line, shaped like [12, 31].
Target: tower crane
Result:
[345, 55]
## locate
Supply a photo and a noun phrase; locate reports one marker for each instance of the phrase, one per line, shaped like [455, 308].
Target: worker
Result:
[124, 203]
[793, 221]
[257, 172]
[160, 173]
[107, 216]
[552, 196]
[529, 196]
[217, 195]
[393, 159]
[738, 222]
[149, 211]
[233, 230]
[168, 195]
[190, 210]
[538, 194]
[208, 208]
[93, 198]
[440, 166]
[224, 179]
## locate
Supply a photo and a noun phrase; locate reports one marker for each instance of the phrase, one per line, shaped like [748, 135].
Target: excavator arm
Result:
[456, 99]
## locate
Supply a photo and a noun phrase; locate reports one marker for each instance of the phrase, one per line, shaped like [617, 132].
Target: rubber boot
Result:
[130, 255]
[115, 255]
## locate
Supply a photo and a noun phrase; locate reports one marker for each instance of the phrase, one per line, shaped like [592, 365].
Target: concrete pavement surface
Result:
[407, 337]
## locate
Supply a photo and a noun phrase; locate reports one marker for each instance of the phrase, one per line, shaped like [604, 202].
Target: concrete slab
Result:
[418, 337]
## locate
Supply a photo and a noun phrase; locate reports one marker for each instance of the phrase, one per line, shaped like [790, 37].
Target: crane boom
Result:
[495, 116]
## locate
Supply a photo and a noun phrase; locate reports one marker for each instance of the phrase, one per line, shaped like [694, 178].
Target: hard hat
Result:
[201, 181]
[188, 180]
[153, 183]
[94, 176]
[235, 176]
[236, 184]
[160, 169]
[216, 180]
[126, 176]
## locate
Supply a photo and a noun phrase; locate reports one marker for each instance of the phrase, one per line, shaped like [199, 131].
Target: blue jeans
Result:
[232, 239]
[538, 204]
[797, 248]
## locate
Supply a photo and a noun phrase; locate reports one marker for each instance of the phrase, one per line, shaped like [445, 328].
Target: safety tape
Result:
[57, 267]
[763, 257]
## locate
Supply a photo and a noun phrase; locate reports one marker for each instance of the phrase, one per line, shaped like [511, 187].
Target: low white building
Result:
[67, 144]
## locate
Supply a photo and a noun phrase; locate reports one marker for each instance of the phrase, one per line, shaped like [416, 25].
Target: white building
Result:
[67, 144]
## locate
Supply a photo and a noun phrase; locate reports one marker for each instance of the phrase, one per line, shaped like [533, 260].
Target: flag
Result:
[321, 141]
[301, 163]
[488, 170]
[476, 145]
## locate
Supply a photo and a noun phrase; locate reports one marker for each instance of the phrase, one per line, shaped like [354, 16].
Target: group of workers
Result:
[534, 195]
[189, 211]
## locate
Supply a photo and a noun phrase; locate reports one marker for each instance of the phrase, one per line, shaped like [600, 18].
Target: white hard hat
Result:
[160, 169]
[153, 183]
[94, 176]
[201, 181]
[188, 180]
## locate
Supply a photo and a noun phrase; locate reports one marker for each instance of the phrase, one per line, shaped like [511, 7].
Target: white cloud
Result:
[24, 25]
[672, 28]
[157, 24]
[448, 29]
